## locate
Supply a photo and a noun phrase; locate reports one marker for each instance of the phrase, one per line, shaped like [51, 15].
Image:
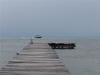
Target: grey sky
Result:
[49, 17]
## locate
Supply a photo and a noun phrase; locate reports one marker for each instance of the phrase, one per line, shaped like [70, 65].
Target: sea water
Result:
[9, 48]
[83, 60]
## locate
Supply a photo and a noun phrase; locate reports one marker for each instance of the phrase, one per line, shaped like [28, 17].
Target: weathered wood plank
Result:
[25, 61]
[33, 73]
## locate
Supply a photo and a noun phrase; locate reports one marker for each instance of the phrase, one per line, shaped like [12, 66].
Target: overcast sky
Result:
[19, 18]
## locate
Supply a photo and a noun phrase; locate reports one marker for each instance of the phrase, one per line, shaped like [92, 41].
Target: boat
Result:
[38, 36]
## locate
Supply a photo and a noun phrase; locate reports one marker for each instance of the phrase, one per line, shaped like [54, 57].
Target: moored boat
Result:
[38, 36]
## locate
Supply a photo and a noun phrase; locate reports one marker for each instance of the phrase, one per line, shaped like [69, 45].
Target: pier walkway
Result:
[35, 59]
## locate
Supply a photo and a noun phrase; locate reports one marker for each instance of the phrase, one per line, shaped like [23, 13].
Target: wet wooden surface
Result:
[35, 59]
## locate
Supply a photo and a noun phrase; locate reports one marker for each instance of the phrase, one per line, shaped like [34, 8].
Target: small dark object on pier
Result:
[62, 45]
[17, 53]
[31, 41]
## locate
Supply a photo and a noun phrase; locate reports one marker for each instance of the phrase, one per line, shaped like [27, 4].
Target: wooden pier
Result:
[35, 59]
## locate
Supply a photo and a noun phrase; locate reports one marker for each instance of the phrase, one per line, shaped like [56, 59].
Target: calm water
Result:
[84, 60]
[8, 49]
